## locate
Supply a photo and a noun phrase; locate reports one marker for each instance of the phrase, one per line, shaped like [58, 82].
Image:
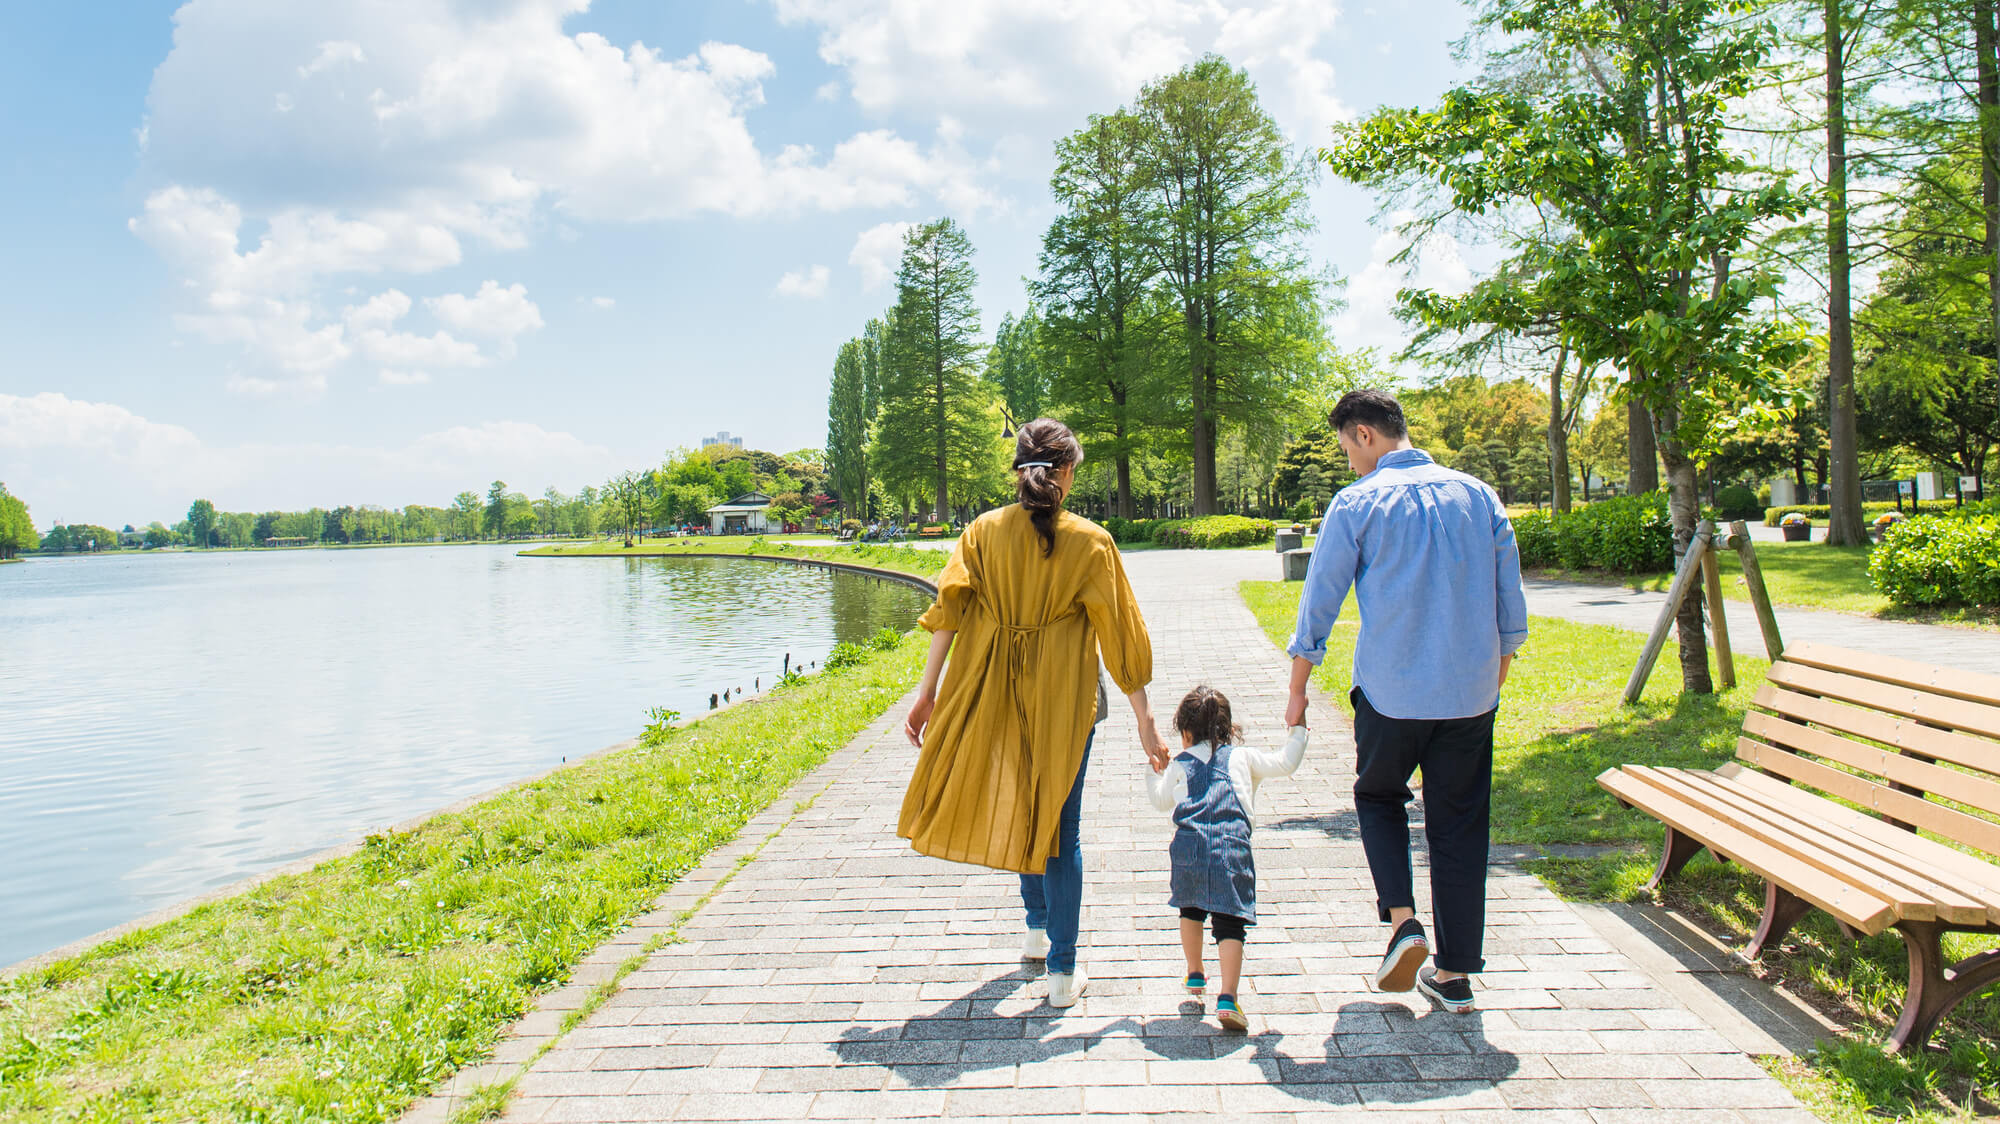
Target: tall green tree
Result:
[1015, 366]
[932, 412]
[496, 509]
[17, 531]
[1639, 167]
[201, 523]
[628, 502]
[847, 424]
[1097, 267]
[1227, 237]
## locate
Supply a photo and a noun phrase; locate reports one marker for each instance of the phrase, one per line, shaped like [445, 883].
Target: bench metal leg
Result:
[1782, 910]
[1934, 989]
[1674, 855]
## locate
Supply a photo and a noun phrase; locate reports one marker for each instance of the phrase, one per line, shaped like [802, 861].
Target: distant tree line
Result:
[17, 531]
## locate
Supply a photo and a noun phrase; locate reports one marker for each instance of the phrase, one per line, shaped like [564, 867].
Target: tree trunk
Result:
[1558, 437]
[1684, 503]
[1123, 460]
[1202, 433]
[1844, 526]
[1642, 471]
[1986, 44]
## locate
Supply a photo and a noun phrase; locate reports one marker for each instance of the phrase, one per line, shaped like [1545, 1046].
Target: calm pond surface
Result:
[172, 722]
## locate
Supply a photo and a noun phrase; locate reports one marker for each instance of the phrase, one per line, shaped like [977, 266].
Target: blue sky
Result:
[364, 251]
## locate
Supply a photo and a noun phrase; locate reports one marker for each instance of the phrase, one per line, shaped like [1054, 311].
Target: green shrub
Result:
[885, 638]
[1302, 510]
[1819, 512]
[845, 655]
[1737, 502]
[1215, 532]
[1935, 560]
[1131, 530]
[1626, 534]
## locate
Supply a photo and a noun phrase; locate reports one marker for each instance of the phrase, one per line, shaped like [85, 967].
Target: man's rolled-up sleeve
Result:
[1512, 605]
[1328, 578]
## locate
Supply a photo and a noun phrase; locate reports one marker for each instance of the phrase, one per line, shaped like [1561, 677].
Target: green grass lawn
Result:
[1561, 723]
[345, 992]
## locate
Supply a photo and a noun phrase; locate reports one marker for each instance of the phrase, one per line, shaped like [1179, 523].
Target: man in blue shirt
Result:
[1431, 558]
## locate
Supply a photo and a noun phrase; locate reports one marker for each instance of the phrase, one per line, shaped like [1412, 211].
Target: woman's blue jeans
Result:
[1054, 898]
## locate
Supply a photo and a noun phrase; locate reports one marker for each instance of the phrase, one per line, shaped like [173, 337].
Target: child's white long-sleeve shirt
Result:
[1247, 766]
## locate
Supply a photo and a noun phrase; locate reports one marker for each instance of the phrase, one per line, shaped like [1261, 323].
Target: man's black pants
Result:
[1456, 755]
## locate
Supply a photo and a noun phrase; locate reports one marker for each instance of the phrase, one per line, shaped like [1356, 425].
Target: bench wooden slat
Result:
[1896, 805]
[1944, 745]
[1857, 907]
[1837, 853]
[1977, 876]
[1975, 686]
[1975, 791]
[1969, 874]
[1939, 710]
[1911, 903]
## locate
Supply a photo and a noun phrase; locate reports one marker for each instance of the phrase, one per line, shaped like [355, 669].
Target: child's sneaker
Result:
[1065, 988]
[1230, 1014]
[1408, 949]
[1035, 946]
[1195, 982]
[1454, 995]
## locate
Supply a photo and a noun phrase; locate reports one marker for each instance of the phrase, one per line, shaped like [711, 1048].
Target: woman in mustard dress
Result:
[1031, 598]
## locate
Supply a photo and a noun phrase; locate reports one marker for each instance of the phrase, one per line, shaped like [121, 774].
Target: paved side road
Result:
[840, 976]
[1970, 648]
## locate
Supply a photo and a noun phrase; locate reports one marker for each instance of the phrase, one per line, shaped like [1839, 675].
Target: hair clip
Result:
[1034, 464]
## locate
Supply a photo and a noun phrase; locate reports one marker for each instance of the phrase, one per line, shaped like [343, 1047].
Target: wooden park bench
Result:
[1864, 786]
[936, 530]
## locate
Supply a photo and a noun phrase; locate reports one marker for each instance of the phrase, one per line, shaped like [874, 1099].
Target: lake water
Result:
[170, 723]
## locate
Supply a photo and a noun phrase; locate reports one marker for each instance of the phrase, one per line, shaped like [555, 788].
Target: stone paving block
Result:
[1576, 1093]
[1014, 1102]
[1443, 1096]
[1744, 1095]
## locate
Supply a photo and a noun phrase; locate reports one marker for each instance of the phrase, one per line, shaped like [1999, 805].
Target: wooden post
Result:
[1760, 597]
[1683, 582]
[1718, 625]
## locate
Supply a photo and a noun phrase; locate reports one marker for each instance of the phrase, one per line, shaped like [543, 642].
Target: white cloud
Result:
[389, 376]
[1055, 60]
[878, 252]
[809, 283]
[64, 456]
[1369, 320]
[603, 302]
[491, 313]
[331, 54]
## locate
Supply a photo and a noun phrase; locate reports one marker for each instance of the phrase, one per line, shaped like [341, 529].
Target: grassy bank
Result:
[903, 559]
[344, 992]
[1561, 723]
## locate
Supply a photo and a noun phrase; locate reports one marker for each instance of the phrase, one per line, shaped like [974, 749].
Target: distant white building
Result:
[746, 514]
[722, 437]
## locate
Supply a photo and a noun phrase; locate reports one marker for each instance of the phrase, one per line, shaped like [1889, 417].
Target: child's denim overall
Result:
[1213, 867]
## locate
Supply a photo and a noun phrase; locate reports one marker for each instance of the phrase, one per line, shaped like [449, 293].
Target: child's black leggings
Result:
[1227, 927]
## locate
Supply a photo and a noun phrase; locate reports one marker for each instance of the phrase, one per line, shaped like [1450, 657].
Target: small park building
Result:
[746, 514]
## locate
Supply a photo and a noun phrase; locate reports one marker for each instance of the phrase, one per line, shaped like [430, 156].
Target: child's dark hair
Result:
[1204, 715]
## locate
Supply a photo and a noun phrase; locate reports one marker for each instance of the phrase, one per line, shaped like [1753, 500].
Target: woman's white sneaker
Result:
[1035, 946]
[1065, 988]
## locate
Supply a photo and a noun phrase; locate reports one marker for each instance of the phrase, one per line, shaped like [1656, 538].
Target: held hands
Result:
[1149, 740]
[1295, 709]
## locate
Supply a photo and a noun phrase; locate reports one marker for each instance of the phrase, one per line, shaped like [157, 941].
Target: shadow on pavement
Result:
[998, 1025]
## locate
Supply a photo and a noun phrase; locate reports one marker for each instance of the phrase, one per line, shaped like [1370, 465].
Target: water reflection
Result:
[171, 723]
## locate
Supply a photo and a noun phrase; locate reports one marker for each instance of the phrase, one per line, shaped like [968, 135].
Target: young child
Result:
[1211, 788]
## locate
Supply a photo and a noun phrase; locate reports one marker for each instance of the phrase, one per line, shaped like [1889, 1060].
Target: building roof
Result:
[748, 501]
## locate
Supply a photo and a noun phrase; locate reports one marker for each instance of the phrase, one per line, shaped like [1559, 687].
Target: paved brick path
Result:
[840, 976]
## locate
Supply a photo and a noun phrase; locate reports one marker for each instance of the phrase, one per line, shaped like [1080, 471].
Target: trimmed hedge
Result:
[1819, 512]
[1939, 560]
[1626, 534]
[1214, 532]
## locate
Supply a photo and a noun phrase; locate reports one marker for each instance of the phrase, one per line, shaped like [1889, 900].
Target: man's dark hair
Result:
[1376, 409]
